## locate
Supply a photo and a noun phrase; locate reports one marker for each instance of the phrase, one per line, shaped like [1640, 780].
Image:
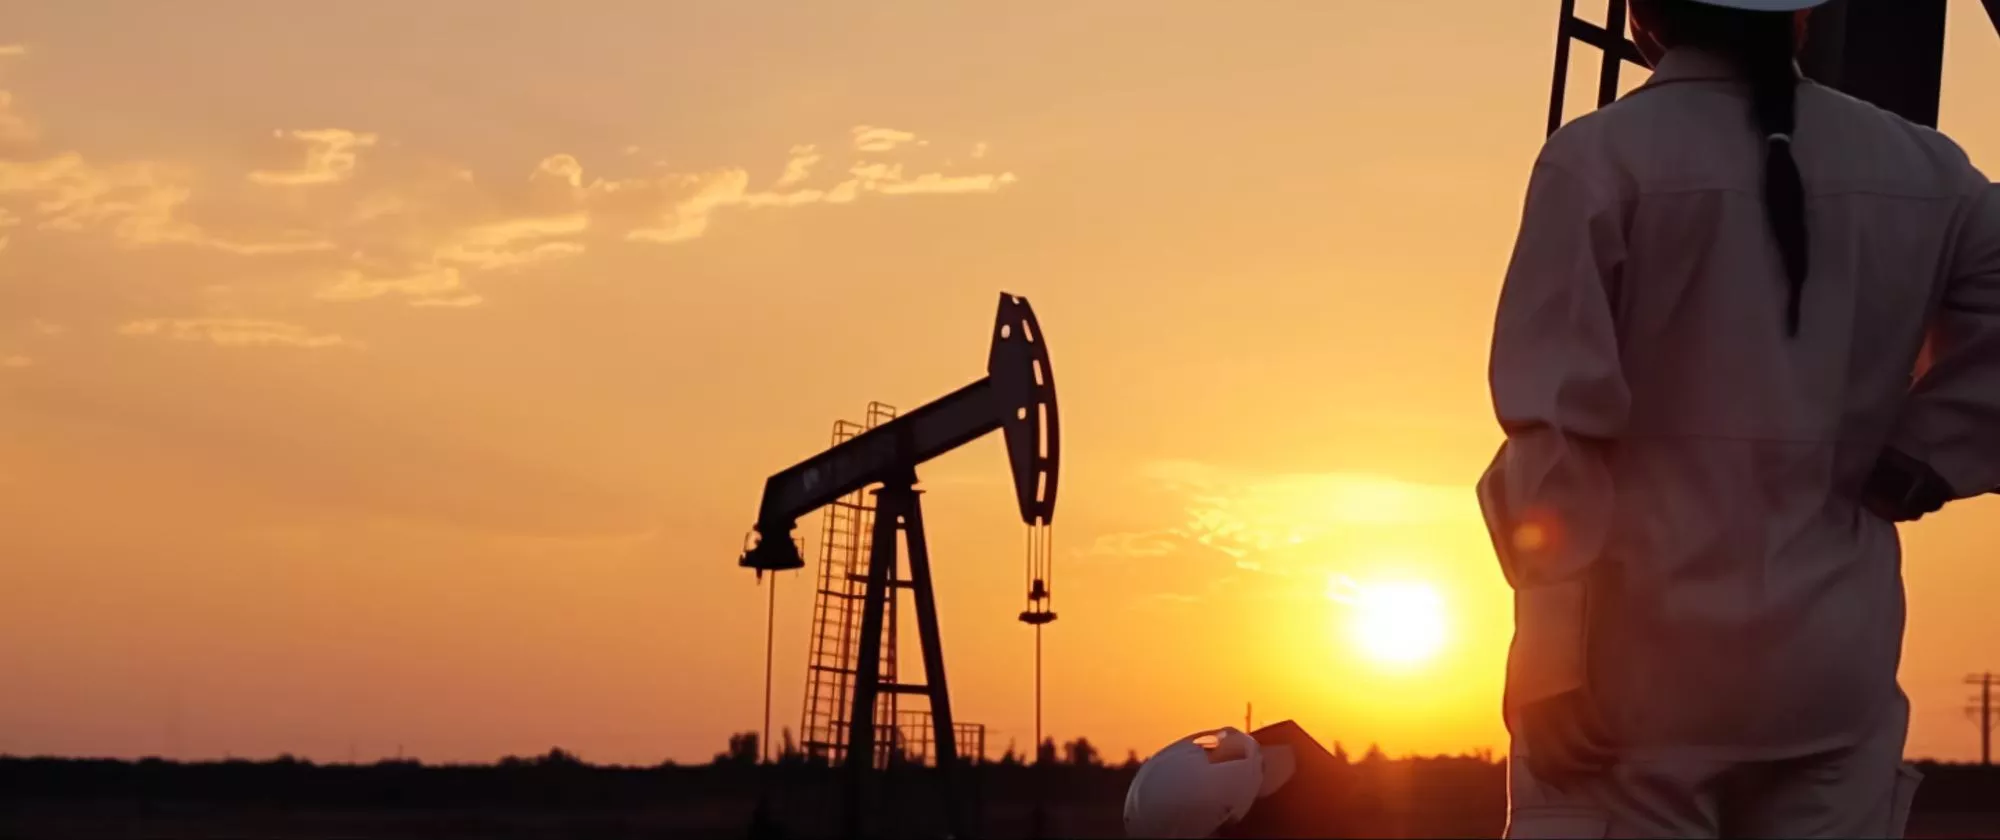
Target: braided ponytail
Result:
[1762, 46]
[1774, 86]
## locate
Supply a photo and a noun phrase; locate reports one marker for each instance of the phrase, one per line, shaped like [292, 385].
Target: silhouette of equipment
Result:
[1271, 782]
[1016, 397]
[1886, 52]
[1314, 798]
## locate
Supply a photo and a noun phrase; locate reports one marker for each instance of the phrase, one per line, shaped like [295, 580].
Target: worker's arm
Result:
[1560, 394]
[1951, 423]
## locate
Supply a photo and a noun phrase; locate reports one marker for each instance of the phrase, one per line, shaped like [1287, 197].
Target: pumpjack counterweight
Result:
[1016, 397]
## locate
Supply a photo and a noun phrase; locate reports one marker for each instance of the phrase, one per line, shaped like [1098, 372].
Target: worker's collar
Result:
[1690, 64]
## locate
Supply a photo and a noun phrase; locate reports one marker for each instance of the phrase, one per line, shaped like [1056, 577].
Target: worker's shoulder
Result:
[1591, 150]
[1601, 137]
[1851, 140]
[1880, 149]
[1584, 134]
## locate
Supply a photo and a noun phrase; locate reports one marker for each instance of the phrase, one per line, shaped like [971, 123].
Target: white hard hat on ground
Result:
[1199, 784]
[1766, 5]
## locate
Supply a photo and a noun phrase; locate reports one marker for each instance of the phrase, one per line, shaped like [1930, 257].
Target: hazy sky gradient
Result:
[389, 374]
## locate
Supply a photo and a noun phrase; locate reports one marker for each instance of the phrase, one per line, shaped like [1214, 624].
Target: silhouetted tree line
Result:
[745, 751]
[1388, 797]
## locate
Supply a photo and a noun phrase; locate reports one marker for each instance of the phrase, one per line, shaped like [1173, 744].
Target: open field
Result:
[58, 800]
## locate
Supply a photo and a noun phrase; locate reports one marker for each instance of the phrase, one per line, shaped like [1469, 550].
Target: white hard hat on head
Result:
[1195, 785]
[1765, 5]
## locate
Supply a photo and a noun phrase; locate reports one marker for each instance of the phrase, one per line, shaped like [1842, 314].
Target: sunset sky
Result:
[381, 376]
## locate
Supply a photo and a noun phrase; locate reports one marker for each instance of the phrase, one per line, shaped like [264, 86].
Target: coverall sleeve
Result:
[1560, 394]
[1952, 419]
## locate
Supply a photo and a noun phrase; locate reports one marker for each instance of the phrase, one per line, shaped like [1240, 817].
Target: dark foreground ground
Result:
[104, 800]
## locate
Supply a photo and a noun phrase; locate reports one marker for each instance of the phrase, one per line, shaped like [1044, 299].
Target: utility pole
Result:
[1983, 709]
[1246, 719]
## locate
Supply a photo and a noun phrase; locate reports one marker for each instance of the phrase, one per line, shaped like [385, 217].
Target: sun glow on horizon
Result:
[1395, 623]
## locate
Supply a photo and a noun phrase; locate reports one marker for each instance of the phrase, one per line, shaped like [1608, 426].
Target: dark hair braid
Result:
[1762, 45]
[1774, 86]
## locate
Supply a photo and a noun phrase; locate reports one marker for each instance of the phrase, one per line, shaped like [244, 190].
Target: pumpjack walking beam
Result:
[1016, 397]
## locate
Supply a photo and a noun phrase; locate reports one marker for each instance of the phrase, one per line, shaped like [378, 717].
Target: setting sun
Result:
[1399, 623]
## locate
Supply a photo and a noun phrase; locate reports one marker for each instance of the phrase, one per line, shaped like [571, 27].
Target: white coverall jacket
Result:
[1677, 504]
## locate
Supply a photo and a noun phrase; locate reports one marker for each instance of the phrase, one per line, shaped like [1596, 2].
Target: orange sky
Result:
[380, 375]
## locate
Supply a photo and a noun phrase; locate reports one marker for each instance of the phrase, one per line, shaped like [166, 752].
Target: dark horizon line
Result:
[510, 762]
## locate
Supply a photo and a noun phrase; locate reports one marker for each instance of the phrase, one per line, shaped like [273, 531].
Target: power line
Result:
[1981, 709]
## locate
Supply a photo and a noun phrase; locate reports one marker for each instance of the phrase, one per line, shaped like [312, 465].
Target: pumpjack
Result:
[1017, 397]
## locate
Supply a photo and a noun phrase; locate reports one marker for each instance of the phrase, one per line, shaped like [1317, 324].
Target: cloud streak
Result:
[421, 285]
[799, 167]
[353, 220]
[139, 203]
[1243, 515]
[330, 157]
[868, 138]
[234, 332]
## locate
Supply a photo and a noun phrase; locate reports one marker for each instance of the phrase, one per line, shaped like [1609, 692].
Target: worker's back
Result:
[1747, 607]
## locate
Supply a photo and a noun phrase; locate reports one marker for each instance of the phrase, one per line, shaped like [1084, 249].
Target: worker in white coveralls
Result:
[1703, 362]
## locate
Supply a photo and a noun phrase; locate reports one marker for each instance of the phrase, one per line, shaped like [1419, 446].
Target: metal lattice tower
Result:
[1610, 42]
[845, 527]
[914, 727]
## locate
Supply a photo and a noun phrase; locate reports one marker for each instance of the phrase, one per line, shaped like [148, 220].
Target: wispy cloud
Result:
[1158, 543]
[423, 284]
[933, 183]
[703, 196]
[868, 138]
[455, 302]
[1243, 515]
[515, 242]
[139, 203]
[234, 332]
[888, 179]
[368, 222]
[799, 167]
[16, 361]
[688, 217]
[13, 50]
[561, 167]
[330, 157]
